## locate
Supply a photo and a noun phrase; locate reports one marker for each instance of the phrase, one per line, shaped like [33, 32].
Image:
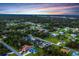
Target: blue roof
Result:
[61, 33]
[75, 54]
[54, 35]
[32, 50]
[74, 35]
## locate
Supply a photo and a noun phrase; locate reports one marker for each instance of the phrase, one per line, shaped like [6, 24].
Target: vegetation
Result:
[14, 31]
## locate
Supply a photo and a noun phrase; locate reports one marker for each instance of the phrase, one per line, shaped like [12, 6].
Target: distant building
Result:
[61, 33]
[53, 34]
[66, 29]
[73, 35]
[29, 38]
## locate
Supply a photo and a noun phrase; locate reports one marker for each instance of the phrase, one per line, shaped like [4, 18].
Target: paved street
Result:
[10, 48]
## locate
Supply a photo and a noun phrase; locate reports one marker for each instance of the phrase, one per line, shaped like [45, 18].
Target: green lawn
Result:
[52, 39]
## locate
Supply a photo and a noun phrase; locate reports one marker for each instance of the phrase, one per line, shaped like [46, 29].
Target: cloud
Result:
[39, 8]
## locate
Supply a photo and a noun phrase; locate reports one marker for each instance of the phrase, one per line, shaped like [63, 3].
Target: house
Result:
[75, 53]
[66, 29]
[32, 50]
[73, 35]
[29, 38]
[25, 48]
[61, 33]
[54, 35]
[38, 41]
[4, 36]
[43, 30]
[42, 43]
[65, 50]
[63, 42]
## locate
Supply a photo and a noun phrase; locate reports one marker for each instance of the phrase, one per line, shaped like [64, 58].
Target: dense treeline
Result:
[54, 20]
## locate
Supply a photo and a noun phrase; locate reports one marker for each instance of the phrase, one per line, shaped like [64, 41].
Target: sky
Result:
[40, 8]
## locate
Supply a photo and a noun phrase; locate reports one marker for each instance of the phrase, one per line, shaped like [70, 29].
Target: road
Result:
[57, 45]
[10, 48]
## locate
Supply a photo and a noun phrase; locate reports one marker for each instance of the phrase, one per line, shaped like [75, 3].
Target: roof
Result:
[75, 53]
[42, 43]
[25, 48]
[65, 50]
[32, 50]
